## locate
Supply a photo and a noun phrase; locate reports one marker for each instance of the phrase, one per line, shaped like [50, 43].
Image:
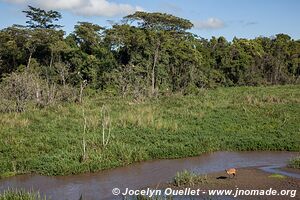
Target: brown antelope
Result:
[231, 171]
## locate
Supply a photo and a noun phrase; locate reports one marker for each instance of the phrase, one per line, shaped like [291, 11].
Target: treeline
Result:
[146, 54]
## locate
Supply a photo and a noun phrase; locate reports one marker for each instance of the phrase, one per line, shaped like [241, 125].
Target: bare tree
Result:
[83, 84]
[106, 126]
[84, 154]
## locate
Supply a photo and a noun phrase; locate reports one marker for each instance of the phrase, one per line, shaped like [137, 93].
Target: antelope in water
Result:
[231, 171]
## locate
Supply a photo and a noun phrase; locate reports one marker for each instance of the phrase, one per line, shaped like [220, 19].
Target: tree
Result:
[156, 24]
[93, 53]
[12, 52]
[88, 36]
[159, 21]
[281, 53]
[129, 46]
[39, 18]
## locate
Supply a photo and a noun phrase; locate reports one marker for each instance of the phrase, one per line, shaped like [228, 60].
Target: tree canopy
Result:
[38, 18]
[159, 21]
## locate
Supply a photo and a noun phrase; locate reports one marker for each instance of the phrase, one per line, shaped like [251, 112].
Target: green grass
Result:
[277, 176]
[294, 163]
[49, 141]
[20, 195]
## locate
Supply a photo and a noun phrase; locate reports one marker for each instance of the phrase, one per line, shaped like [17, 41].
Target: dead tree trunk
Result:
[82, 86]
[154, 66]
[29, 60]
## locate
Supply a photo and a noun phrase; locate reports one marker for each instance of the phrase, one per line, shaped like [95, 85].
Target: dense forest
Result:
[144, 55]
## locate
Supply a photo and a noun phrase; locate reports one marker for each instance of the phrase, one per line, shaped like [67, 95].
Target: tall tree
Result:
[94, 55]
[158, 23]
[39, 18]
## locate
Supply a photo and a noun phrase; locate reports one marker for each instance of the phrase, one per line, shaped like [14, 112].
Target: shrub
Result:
[295, 163]
[187, 178]
[20, 88]
[17, 89]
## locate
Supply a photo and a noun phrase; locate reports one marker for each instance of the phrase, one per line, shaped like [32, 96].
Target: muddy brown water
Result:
[99, 185]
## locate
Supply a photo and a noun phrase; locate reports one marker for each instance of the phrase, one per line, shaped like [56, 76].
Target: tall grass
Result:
[49, 141]
[20, 195]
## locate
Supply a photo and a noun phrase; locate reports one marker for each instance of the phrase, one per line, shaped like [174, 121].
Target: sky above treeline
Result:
[228, 18]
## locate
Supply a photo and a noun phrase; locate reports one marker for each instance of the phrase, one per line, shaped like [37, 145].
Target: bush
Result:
[17, 89]
[20, 88]
[187, 178]
[295, 163]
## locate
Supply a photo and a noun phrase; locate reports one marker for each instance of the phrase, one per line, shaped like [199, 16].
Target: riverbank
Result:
[140, 175]
[246, 179]
[50, 141]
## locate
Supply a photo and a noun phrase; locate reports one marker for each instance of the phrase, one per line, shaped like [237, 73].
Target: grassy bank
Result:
[49, 141]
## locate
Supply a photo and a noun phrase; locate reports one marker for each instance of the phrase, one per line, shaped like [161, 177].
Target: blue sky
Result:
[229, 18]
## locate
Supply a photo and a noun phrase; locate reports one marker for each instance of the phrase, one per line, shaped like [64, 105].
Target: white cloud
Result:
[83, 7]
[211, 23]
[15, 1]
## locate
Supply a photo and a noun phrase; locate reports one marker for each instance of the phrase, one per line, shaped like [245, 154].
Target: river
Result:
[99, 185]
